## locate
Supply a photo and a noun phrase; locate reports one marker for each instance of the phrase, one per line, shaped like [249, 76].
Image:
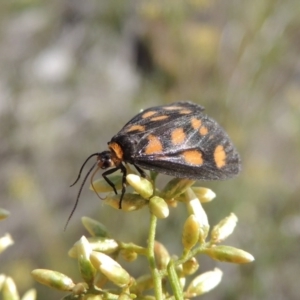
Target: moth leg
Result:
[124, 171]
[104, 175]
[142, 172]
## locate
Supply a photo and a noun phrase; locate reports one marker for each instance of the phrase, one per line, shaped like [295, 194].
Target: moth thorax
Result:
[116, 153]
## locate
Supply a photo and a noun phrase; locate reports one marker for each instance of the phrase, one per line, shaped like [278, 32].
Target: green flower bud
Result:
[5, 242]
[229, 254]
[86, 268]
[94, 227]
[175, 187]
[159, 207]
[29, 295]
[4, 213]
[204, 283]
[53, 279]
[141, 185]
[111, 269]
[101, 185]
[162, 256]
[130, 202]
[191, 231]
[9, 289]
[190, 267]
[194, 207]
[203, 194]
[225, 228]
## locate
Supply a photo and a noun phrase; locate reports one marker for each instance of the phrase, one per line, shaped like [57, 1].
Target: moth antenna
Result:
[92, 184]
[81, 187]
[80, 171]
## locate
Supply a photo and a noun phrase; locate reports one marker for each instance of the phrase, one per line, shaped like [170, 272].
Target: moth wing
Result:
[205, 153]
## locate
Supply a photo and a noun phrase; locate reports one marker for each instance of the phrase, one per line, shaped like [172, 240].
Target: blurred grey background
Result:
[73, 72]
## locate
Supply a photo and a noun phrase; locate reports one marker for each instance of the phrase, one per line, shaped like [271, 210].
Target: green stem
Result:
[151, 258]
[186, 256]
[174, 281]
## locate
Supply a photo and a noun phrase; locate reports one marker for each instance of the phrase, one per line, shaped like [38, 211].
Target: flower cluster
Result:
[103, 276]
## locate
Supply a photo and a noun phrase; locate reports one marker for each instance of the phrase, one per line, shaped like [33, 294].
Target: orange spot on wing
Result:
[159, 118]
[148, 114]
[178, 136]
[173, 107]
[193, 157]
[136, 128]
[154, 145]
[196, 123]
[185, 111]
[220, 156]
[203, 130]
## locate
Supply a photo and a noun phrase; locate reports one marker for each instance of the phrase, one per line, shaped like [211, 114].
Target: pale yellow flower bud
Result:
[130, 202]
[229, 254]
[162, 255]
[141, 185]
[29, 295]
[175, 187]
[159, 207]
[223, 229]
[86, 268]
[191, 231]
[190, 266]
[5, 242]
[53, 279]
[104, 245]
[95, 228]
[9, 289]
[129, 255]
[194, 207]
[203, 194]
[204, 283]
[111, 269]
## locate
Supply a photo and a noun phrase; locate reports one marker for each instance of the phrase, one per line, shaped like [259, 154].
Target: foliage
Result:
[8, 287]
[98, 256]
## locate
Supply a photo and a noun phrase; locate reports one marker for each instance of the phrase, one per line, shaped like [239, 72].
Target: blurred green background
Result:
[73, 72]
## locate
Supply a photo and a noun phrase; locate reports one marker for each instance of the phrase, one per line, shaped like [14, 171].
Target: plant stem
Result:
[151, 258]
[174, 281]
